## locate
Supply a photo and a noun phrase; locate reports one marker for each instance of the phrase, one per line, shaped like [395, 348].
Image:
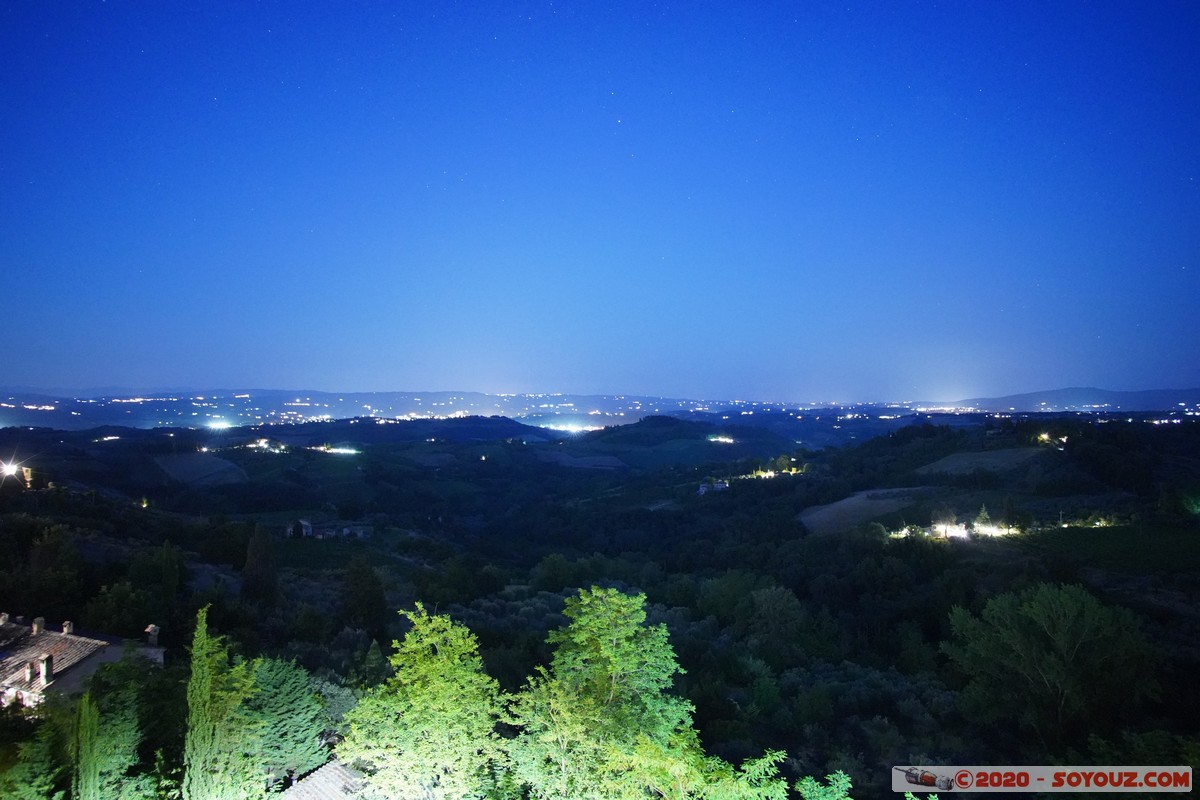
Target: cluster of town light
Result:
[572, 427]
[342, 451]
[950, 530]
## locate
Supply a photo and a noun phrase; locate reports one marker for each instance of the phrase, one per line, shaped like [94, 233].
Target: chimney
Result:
[39, 625]
[47, 665]
[68, 627]
[152, 634]
[29, 672]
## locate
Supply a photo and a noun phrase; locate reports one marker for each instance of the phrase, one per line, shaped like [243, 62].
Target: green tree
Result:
[600, 723]
[429, 732]
[374, 668]
[836, 787]
[44, 764]
[983, 517]
[221, 735]
[142, 710]
[107, 736]
[1053, 659]
[291, 721]
[86, 785]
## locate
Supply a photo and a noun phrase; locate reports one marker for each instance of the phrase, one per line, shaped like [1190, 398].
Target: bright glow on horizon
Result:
[220, 424]
[573, 428]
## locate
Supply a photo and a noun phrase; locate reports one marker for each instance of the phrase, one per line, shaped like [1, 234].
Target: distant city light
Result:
[220, 424]
[572, 427]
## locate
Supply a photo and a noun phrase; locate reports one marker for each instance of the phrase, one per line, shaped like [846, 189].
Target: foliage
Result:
[588, 722]
[364, 604]
[1053, 659]
[143, 710]
[600, 723]
[430, 730]
[86, 784]
[220, 734]
[837, 787]
[106, 740]
[291, 720]
[43, 768]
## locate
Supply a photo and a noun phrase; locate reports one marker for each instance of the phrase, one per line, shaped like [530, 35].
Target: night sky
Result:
[791, 201]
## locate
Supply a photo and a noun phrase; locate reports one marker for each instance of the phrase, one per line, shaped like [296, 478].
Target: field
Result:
[862, 507]
[989, 460]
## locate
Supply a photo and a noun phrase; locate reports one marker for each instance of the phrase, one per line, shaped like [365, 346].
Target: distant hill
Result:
[1086, 399]
[659, 441]
[369, 430]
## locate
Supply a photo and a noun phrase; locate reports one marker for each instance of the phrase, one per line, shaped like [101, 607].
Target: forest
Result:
[507, 618]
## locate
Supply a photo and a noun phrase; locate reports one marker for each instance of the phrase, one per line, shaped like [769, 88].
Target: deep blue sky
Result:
[801, 201]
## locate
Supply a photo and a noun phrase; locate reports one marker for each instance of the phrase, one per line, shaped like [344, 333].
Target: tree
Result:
[1053, 659]
[290, 718]
[429, 732]
[259, 579]
[837, 787]
[86, 785]
[107, 736]
[365, 604]
[1008, 513]
[600, 724]
[43, 768]
[142, 711]
[220, 734]
[375, 668]
[983, 517]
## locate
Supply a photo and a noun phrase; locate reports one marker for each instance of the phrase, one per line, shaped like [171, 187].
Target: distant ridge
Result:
[564, 412]
[1085, 399]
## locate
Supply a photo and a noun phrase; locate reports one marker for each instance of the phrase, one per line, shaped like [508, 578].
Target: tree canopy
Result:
[1050, 658]
[429, 731]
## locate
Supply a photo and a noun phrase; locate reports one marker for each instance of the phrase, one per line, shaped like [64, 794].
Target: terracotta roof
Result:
[19, 647]
[334, 781]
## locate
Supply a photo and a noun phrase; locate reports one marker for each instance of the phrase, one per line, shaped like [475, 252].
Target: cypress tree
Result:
[220, 734]
[86, 785]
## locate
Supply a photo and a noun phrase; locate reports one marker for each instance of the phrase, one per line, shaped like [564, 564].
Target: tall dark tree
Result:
[364, 602]
[260, 580]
